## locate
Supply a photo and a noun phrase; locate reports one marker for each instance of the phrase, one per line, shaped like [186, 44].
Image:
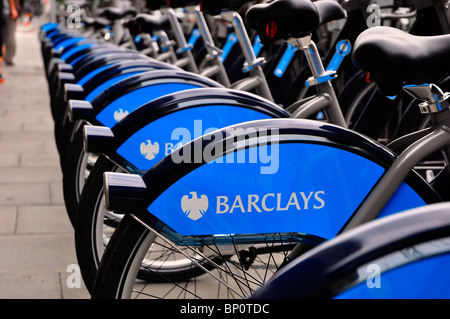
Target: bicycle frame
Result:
[213, 52]
[412, 148]
[188, 59]
[421, 144]
[326, 98]
[257, 79]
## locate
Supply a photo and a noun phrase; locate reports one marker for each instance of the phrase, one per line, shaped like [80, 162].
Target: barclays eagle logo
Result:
[149, 150]
[120, 114]
[194, 207]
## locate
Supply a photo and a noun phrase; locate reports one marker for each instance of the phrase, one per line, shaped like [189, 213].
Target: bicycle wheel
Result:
[251, 225]
[75, 171]
[89, 242]
[242, 270]
[95, 226]
[134, 244]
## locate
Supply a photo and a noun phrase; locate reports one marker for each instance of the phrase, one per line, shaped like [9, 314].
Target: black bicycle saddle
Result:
[394, 57]
[101, 23]
[215, 7]
[282, 19]
[113, 13]
[155, 4]
[329, 10]
[148, 23]
[181, 3]
[88, 21]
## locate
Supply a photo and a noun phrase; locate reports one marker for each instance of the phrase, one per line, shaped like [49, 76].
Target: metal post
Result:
[210, 46]
[309, 48]
[253, 63]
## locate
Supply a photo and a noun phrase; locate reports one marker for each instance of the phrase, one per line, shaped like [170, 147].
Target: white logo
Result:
[74, 279]
[194, 207]
[374, 278]
[373, 20]
[149, 150]
[276, 202]
[74, 16]
[120, 114]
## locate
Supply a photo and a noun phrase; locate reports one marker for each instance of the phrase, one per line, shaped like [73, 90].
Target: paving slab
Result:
[36, 252]
[24, 194]
[43, 219]
[37, 248]
[8, 220]
[29, 159]
[28, 286]
[9, 159]
[23, 174]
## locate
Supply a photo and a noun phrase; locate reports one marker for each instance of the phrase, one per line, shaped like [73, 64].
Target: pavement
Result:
[37, 250]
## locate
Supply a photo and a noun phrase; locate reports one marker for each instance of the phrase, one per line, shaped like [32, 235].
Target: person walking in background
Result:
[10, 41]
[8, 13]
[1, 41]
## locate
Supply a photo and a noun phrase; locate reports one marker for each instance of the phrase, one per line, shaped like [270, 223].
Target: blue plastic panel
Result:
[195, 35]
[74, 50]
[343, 48]
[405, 198]
[127, 103]
[79, 58]
[159, 138]
[306, 188]
[285, 60]
[90, 75]
[257, 45]
[49, 26]
[103, 86]
[68, 42]
[229, 44]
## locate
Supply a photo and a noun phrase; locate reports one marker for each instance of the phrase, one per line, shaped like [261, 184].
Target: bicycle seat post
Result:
[437, 138]
[213, 51]
[436, 104]
[168, 52]
[253, 64]
[320, 77]
[183, 47]
[434, 99]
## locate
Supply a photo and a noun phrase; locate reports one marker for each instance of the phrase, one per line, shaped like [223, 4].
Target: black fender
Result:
[142, 80]
[170, 178]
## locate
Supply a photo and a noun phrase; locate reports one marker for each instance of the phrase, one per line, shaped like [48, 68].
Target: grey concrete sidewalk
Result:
[37, 248]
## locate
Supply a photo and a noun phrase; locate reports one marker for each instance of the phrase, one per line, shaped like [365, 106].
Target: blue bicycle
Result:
[330, 180]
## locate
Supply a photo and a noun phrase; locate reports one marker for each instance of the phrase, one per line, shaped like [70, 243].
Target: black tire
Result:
[72, 169]
[66, 137]
[86, 246]
[128, 237]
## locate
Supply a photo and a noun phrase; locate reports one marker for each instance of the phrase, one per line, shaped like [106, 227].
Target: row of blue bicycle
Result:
[255, 149]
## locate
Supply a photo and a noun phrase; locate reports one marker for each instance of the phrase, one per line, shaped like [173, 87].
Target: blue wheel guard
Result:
[314, 190]
[298, 187]
[127, 103]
